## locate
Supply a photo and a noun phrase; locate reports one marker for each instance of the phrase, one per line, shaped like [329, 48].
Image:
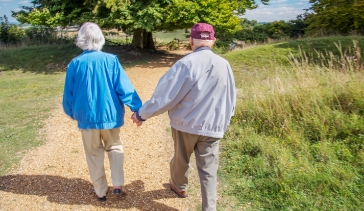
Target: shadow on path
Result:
[75, 191]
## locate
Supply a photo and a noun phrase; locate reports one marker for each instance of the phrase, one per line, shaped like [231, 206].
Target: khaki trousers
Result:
[95, 142]
[207, 159]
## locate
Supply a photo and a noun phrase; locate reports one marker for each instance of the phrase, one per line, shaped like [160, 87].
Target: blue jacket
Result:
[96, 89]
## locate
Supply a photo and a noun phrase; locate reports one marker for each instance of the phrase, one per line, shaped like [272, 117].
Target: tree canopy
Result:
[342, 16]
[141, 17]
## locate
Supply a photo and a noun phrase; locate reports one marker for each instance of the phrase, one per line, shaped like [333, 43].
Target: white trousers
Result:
[95, 142]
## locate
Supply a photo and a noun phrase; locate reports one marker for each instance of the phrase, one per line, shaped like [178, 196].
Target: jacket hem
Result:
[197, 132]
[100, 126]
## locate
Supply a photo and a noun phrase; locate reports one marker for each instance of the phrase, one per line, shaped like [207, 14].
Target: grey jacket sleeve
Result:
[234, 91]
[171, 89]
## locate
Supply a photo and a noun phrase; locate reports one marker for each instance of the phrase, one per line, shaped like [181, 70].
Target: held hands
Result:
[135, 120]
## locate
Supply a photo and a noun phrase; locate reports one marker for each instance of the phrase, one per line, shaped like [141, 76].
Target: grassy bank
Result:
[31, 83]
[297, 139]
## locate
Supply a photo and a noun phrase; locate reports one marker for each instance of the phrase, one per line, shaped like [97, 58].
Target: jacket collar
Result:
[201, 48]
[87, 51]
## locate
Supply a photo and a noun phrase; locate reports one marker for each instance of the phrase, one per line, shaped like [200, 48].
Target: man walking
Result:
[199, 93]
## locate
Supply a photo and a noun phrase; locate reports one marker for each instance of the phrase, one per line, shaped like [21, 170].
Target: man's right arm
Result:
[171, 89]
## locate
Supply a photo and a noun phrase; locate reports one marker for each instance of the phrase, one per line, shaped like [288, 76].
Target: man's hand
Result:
[135, 120]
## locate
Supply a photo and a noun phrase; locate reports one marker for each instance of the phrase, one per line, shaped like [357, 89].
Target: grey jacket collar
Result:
[201, 48]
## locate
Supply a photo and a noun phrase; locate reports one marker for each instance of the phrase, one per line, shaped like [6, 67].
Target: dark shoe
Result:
[121, 191]
[182, 194]
[116, 191]
[102, 199]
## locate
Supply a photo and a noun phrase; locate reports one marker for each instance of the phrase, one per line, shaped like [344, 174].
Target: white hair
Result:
[90, 37]
[199, 43]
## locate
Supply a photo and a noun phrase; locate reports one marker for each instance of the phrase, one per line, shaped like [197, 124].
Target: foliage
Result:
[40, 34]
[254, 32]
[296, 141]
[50, 13]
[336, 16]
[220, 14]
[298, 26]
[139, 17]
[39, 17]
[10, 34]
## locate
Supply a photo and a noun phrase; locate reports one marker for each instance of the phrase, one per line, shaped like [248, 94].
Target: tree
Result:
[278, 29]
[142, 17]
[9, 33]
[336, 16]
[51, 13]
[298, 26]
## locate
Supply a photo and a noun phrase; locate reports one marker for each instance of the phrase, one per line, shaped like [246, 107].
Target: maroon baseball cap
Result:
[202, 31]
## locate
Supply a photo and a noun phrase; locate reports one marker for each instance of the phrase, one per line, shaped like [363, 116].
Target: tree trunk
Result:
[137, 38]
[148, 41]
[143, 39]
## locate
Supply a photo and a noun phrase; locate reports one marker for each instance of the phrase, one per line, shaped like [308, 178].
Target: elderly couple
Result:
[198, 92]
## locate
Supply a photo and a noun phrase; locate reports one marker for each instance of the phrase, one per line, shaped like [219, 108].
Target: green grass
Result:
[276, 55]
[31, 84]
[166, 36]
[25, 100]
[296, 141]
[38, 59]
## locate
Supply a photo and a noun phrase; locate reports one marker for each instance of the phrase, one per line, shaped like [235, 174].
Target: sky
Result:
[275, 11]
[6, 6]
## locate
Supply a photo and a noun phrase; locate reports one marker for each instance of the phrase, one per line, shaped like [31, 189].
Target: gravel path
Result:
[55, 175]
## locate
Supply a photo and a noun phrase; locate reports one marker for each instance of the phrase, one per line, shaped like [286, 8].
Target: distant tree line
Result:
[11, 34]
[252, 31]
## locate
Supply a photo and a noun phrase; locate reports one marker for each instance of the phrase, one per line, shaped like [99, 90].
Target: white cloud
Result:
[266, 14]
[6, 0]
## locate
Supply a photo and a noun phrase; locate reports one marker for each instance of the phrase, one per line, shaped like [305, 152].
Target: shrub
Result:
[9, 33]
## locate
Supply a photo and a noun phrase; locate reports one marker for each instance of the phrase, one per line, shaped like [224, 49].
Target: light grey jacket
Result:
[198, 92]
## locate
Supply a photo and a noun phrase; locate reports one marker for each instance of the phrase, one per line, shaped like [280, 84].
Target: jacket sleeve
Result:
[125, 89]
[171, 89]
[68, 91]
[233, 93]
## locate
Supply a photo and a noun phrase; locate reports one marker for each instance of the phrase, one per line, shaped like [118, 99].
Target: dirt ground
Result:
[54, 176]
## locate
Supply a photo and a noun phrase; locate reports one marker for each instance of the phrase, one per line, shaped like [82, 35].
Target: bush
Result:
[223, 39]
[249, 35]
[10, 34]
[41, 34]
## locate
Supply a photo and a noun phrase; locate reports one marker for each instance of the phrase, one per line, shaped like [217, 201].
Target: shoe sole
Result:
[174, 189]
